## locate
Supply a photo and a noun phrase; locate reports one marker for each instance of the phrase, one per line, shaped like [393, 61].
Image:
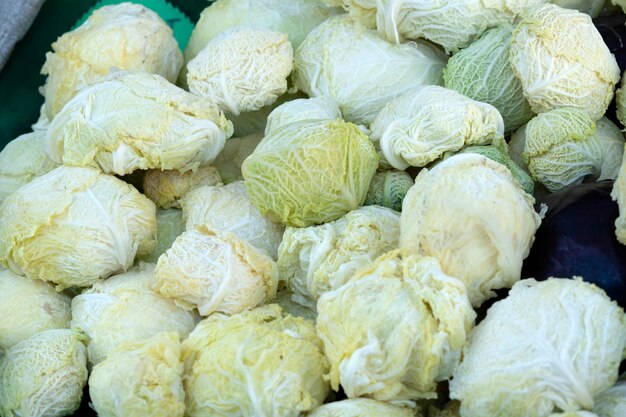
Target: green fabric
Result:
[20, 79]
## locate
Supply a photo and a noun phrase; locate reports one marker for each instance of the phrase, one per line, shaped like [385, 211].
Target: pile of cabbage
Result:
[307, 212]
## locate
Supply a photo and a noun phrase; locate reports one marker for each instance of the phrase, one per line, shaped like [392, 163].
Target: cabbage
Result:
[483, 72]
[591, 7]
[229, 209]
[294, 17]
[140, 379]
[561, 60]
[125, 36]
[475, 218]
[451, 24]
[395, 329]
[359, 70]
[21, 160]
[133, 121]
[563, 147]
[165, 188]
[319, 108]
[363, 11]
[316, 259]
[419, 126]
[215, 272]
[242, 69]
[361, 407]
[619, 194]
[620, 102]
[126, 308]
[388, 189]
[257, 363]
[170, 225]
[43, 375]
[612, 402]
[236, 150]
[284, 298]
[548, 346]
[28, 307]
[88, 226]
[310, 172]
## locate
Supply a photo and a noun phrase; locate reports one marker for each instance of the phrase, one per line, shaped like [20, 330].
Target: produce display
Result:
[320, 208]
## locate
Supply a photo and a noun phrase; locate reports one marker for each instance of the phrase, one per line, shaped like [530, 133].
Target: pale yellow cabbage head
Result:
[362, 407]
[44, 375]
[395, 329]
[21, 160]
[125, 36]
[317, 259]
[612, 402]
[452, 24]
[421, 125]
[388, 189]
[619, 194]
[228, 209]
[170, 225]
[360, 70]
[562, 61]
[258, 363]
[126, 308]
[165, 188]
[310, 172]
[28, 307]
[236, 150]
[74, 226]
[140, 379]
[549, 346]
[564, 147]
[318, 108]
[475, 218]
[242, 69]
[133, 120]
[215, 272]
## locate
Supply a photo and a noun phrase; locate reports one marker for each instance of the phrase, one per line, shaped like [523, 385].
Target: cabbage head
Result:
[317, 259]
[452, 24]
[91, 226]
[612, 402]
[166, 188]
[310, 172]
[28, 307]
[362, 407]
[395, 329]
[126, 308]
[388, 189]
[140, 379]
[170, 225]
[361, 71]
[44, 375]
[133, 120]
[549, 346]
[125, 36]
[486, 245]
[619, 194]
[421, 125]
[564, 147]
[230, 159]
[561, 60]
[591, 7]
[261, 362]
[229, 209]
[21, 160]
[318, 108]
[215, 271]
[296, 18]
[483, 72]
[242, 69]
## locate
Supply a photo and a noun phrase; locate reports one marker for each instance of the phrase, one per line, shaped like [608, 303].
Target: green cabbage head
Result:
[44, 375]
[388, 189]
[482, 72]
[310, 172]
